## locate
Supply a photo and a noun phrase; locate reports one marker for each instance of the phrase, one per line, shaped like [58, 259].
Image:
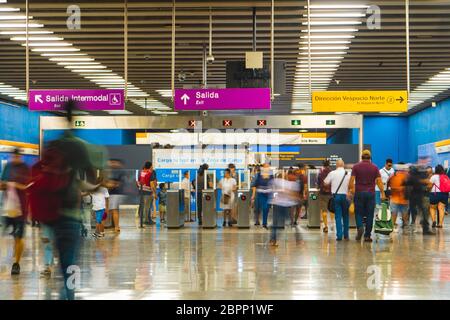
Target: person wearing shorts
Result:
[438, 199]
[324, 195]
[116, 186]
[100, 207]
[14, 181]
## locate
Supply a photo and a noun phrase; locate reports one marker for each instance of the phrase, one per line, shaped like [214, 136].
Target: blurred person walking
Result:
[362, 187]
[324, 194]
[115, 183]
[254, 202]
[398, 202]
[418, 195]
[439, 195]
[338, 180]
[55, 196]
[285, 195]
[14, 180]
[261, 191]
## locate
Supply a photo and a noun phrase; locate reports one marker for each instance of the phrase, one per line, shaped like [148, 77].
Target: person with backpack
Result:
[55, 197]
[324, 195]
[439, 195]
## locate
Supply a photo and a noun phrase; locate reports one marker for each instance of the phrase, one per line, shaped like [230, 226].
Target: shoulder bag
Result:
[331, 202]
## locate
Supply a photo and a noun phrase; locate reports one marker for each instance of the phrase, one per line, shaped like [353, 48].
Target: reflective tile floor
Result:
[156, 263]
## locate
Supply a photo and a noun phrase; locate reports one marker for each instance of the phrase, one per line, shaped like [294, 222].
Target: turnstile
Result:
[313, 210]
[243, 208]
[174, 208]
[209, 212]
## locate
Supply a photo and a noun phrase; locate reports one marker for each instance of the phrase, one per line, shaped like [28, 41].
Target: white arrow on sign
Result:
[38, 98]
[185, 98]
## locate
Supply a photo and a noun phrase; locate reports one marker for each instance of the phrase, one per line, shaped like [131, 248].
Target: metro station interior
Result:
[193, 150]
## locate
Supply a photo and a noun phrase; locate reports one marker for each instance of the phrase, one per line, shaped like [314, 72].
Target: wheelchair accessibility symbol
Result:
[115, 99]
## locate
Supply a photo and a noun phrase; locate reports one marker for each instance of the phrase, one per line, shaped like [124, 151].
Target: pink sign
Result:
[222, 99]
[90, 100]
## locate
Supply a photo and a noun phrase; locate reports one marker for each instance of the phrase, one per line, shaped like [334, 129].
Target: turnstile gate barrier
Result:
[209, 212]
[243, 208]
[174, 208]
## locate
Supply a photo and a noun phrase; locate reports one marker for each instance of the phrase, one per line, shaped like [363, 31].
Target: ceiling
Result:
[360, 58]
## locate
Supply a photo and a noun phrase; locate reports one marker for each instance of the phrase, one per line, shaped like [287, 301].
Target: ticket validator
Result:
[243, 199]
[175, 207]
[313, 199]
[209, 211]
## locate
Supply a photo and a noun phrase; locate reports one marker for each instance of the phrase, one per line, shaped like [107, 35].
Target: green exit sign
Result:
[296, 122]
[80, 123]
[331, 122]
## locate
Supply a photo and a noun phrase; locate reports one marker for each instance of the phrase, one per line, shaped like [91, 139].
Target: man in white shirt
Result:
[386, 172]
[339, 179]
[186, 186]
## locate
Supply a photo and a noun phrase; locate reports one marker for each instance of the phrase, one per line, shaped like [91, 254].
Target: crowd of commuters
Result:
[63, 188]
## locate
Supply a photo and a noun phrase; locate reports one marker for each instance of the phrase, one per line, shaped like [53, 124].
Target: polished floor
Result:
[156, 263]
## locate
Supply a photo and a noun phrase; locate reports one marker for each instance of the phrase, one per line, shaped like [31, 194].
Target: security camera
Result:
[181, 76]
[210, 59]
[205, 113]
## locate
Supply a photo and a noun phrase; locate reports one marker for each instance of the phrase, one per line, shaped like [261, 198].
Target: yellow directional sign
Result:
[360, 101]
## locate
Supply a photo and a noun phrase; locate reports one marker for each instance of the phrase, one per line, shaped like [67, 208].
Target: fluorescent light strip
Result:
[343, 30]
[336, 15]
[335, 36]
[14, 17]
[337, 6]
[37, 38]
[48, 44]
[30, 32]
[20, 25]
[4, 9]
[55, 50]
[68, 55]
[332, 23]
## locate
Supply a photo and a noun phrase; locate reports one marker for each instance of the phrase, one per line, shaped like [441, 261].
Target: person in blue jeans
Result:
[261, 191]
[339, 180]
[362, 186]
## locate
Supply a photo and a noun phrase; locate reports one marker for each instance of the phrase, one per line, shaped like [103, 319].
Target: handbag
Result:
[105, 215]
[331, 202]
[226, 198]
